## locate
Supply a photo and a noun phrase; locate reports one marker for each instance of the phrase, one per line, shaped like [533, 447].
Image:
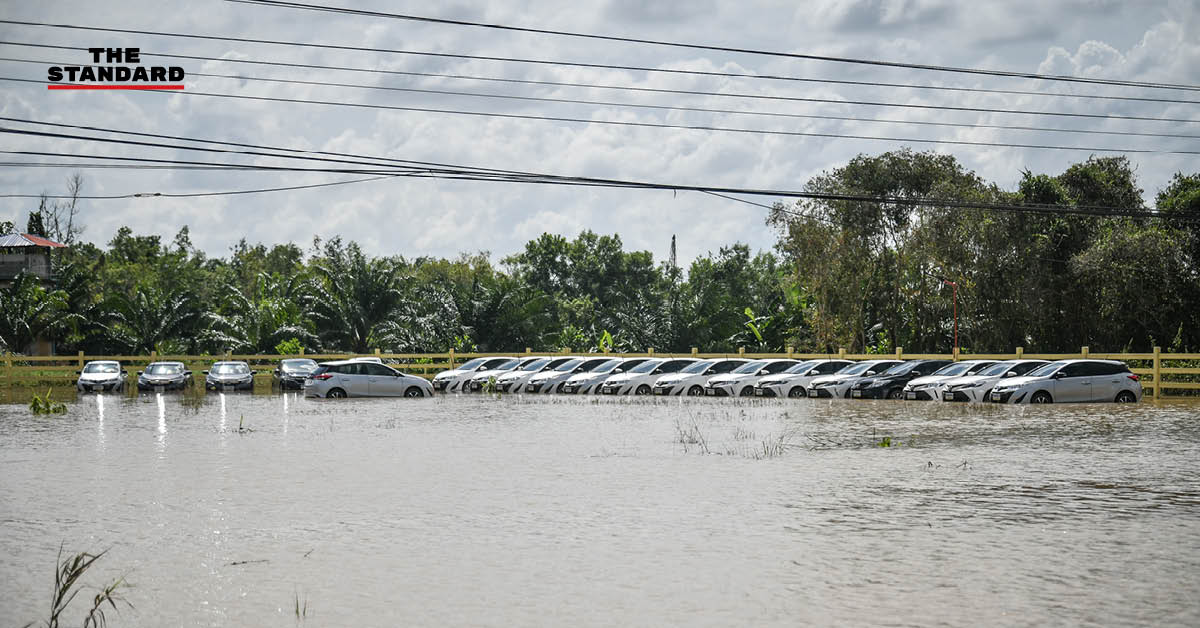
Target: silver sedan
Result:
[354, 378]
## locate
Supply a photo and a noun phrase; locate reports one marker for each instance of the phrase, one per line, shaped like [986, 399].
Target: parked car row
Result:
[1000, 381]
[1007, 381]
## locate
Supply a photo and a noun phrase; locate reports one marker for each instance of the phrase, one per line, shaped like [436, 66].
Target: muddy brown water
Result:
[552, 511]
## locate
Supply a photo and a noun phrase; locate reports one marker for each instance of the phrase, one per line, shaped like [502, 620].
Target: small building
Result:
[23, 252]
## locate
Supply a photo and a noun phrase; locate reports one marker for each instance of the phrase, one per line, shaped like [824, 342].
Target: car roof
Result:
[350, 361]
[165, 362]
[101, 362]
[229, 362]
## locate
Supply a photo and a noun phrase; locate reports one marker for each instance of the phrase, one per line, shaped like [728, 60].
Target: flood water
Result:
[474, 511]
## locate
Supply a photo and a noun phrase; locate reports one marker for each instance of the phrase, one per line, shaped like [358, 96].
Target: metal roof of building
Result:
[14, 240]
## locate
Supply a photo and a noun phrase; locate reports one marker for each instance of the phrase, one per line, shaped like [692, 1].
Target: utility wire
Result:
[872, 84]
[659, 125]
[790, 55]
[199, 194]
[601, 103]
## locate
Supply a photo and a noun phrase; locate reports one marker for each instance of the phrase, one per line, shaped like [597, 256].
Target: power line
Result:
[659, 125]
[774, 114]
[198, 194]
[790, 55]
[873, 84]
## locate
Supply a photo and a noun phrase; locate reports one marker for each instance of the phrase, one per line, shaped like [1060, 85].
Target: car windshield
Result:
[750, 367]
[999, 368]
[607, 366]
[856, 369]
[1043, 371]
[569, 365]
[471, 364]
[801, 367]
[698, 367]
[958, 368]
[505, 366]
[535, 364]
[230, 369]
[298, 365]
[164, 369]
[647, 366]
[899, 369]
[105, 367]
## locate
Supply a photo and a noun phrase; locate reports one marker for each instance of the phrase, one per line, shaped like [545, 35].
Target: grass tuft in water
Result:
[45, 405]
[67, 584]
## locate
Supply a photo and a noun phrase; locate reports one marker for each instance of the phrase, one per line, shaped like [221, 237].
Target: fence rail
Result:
[1153, 368]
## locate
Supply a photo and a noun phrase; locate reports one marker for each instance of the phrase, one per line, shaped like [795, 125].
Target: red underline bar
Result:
[114, 87]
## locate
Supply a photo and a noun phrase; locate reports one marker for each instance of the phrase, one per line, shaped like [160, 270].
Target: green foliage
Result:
[291, 346]
[45, 405]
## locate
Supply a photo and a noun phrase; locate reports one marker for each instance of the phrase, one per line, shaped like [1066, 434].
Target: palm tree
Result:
[355, 301]
[153, 318]
[28, 311]
[260, 321]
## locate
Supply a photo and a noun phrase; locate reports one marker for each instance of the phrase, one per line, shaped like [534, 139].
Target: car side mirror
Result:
[124, 372]
[139, 372]
[870, 372]
[657, 372]
[205, 372]
[1059, 375]
[1011, 374]
[188, 373]
[79, 372]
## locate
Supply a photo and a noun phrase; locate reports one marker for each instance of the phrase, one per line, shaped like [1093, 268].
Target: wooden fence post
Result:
[565, 350]
[377, 352]
[451, 352]
[741, 350]
[695, 351]
[650, 350]
[1157, 372]
[954, 356]
[301, 349]
[1083, 351]
[1020, 352]
[791, 350]
[842, 353]
[81, 359]
[899, 353]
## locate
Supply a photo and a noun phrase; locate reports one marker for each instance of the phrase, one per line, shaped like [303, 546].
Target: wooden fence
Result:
[1159, 371]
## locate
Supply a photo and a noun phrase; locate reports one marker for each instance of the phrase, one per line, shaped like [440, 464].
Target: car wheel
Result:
[644, 389]
[1041, 396]
[747, 391]
[797, 392]
[413, 391]
[558, 389]
[336, 393]
[895, 393]
[696, 391]
[1126, 397]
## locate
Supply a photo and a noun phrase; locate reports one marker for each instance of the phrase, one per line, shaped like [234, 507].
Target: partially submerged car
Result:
[101, 375]
[291, 372]
[514, 381]
[227, 376]
[794, 381]
[456, 379]
[162, 376]
[976, 387]
[356, 378]
[691, 380]
[640, 379]
[590, 382]
[1071, 381]
[481, 378]
[740, 381]
[552, 381]
[837, 386]
[929, 387]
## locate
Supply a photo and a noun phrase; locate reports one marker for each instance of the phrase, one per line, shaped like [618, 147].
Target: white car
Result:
[553, 381]
[837, 386]
[589, 382]
[640, 379]
[929, 387]
[690, 381]
[455, 379]
[794, 381]
[101, 375]
[514, 380]
[356, 378]
[1071, 381]
[480, 378]
[740, 381]
[976, 387]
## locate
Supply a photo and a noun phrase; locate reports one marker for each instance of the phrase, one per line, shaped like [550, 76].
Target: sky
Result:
[1142, 41]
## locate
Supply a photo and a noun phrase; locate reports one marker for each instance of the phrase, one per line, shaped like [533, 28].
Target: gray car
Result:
[355, 378]
[161, 376]
[229, 376]
[101, 375]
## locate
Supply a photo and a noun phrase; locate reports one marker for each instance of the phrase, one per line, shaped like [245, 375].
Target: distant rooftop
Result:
[17, 240]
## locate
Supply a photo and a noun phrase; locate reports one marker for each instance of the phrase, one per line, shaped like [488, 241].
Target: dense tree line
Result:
[861, 275]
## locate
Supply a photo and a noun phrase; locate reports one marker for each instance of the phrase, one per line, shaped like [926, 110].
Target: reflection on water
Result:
[600, 512]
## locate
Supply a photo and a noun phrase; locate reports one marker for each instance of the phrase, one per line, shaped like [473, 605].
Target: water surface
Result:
[559, 511]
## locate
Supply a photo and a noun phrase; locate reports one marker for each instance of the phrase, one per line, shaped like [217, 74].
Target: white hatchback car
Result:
[480, 378]
[640, 379]
[1071, 381]
[740, 381]
[455, 380]
[794, 381]
[975, 388]
[355, 378]
[691, 380]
